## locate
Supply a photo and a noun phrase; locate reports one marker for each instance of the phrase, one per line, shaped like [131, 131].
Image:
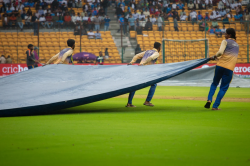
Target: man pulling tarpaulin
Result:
[64, 56]
[148, 57]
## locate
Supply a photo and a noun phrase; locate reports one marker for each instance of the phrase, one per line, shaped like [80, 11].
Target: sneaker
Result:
[216, 109]
[130, 105]
[207, 105]
[148, 104]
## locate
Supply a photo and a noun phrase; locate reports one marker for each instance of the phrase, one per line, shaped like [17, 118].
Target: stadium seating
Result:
[147, 39]
[50, 43]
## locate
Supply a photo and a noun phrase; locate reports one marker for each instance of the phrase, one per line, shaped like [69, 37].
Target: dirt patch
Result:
[188, 98]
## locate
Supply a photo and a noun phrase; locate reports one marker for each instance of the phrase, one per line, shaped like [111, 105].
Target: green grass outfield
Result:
[177, 131]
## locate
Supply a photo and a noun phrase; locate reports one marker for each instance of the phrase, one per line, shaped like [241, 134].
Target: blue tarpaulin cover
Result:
[52, 87]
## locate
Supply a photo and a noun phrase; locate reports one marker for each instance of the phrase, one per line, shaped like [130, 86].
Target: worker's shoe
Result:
[130, 105]
[148, 104]
[207, 105]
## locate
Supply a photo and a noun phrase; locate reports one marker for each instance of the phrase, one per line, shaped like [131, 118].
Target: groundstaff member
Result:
[31, 61]
[64, 56]
[148, 57]
[229, 50]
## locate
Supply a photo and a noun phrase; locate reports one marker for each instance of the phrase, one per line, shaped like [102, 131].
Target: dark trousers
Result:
[150, 94]
[31, 67]
[176, 29]
[132, 28]
[123, 27]
[225, 75]
[35, 26]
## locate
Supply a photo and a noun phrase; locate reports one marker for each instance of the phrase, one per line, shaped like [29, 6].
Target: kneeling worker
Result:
[148, 57]
[64, 56]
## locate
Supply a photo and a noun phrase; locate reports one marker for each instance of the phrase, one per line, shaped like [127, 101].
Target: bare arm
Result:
[52, 59]
[137, 56]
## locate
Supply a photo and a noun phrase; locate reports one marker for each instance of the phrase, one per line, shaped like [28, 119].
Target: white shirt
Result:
[73, 19]
[135, 15]
[37, 15]
[183, 18]
[86, 7]
[193, 15]
[42, 19]
[5, 19]
[6, 1]
[20, 7]
[146, 13]
[233, 5]
[153, 20]
[214, 12]
[226, 2]
[239, 4]
[165, 5]
[218, 16]
[27, 18]
[174, 6]
[133, 6]
[159, 21]
[223, 30]
[91, 35]
[228, 10]
[142, 23]
[141, 16]
[220, 5]
[85, 18]
[78, 18]
[212, 17]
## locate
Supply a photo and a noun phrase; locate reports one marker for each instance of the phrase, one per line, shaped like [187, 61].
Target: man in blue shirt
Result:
[26, 4]
[41, 11]
[180, 6]
[93, 6]
[106, 23]
[31, 4]
[211, 30]
[97, 35]
[121, 3]
[222, 12]
[238, 17]
[218, 32]
[122, 25]
[131, 23]
[199, 16]
[169, 8]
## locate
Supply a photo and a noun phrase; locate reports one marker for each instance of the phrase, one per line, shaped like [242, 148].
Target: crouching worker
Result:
[64, 56]
[148, 57]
